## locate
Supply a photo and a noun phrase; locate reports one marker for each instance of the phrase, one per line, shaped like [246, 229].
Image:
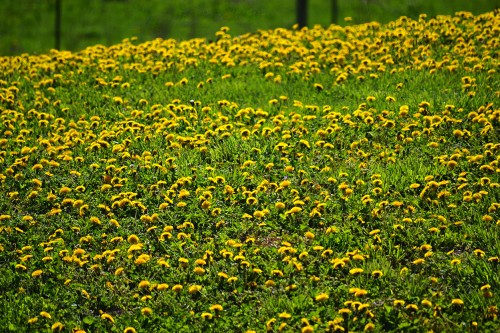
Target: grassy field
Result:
[28, 26]
[342, 179]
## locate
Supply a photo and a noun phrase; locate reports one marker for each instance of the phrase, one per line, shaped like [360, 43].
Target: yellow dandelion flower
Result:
[95, 220]
[285, 315]
[270, 283]
[308, 234]
[418, 261]
[37, 273]
[426, 303]
[216, 307]
[412, 307]
[277, 272]
[183, 193]
[45, 315]
[398, 302]
[142, 259]
[457, 301]
[206, 315]
[129, 330]
[344, 311]
[194, 289]
[144, 284]
[57, 326]
[485, 287]
[307, 329]
[108, 317]
[162, 286]
[360, 293]
[279, 205]
[37, 167]
[183, 262]
[369, 327]
[146, 311]
[318, 87]
[177, 288]
[232, 279]
[321, 297]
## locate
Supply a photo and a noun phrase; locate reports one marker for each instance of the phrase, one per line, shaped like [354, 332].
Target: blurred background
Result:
[29, 26]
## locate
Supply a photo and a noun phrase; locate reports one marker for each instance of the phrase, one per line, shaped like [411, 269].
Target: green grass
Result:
[323, 151]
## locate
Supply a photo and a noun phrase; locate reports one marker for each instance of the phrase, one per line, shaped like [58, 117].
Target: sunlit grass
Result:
[340, 179]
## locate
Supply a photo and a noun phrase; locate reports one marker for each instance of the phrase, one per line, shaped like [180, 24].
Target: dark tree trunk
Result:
[57, 26]
[335, 11]
[302, 13]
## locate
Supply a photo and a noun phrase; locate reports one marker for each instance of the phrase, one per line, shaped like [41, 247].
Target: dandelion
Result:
[108, 317]
[285, 315]
[479, 253]
[162, 287]
[57, 326]
[45, 315]
[307, 329]
[183, 194]
[199, 271]
[344, 311]
[177, 288]
[142, 259]
[37, 273]
[418, 261]
[485, 287]
[398, 302]
[270, 283]
[146, 311]
[194, 289]
[280, 205]
[426, 303]
[183, 262]
[129, 330]
[360, 293]
[321, 297]
[216, 307]
[309, 235]
[369, 327]
[144, 284]
[206, 316]
[412, 307]
[277, 272]
[232, 279]
[318, 87]
[457, 301]
[95, 220]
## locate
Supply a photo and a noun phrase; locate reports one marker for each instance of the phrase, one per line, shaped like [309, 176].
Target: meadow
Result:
[340, 179]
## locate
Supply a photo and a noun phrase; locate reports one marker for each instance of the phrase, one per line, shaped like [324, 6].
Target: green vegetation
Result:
[341, 179]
